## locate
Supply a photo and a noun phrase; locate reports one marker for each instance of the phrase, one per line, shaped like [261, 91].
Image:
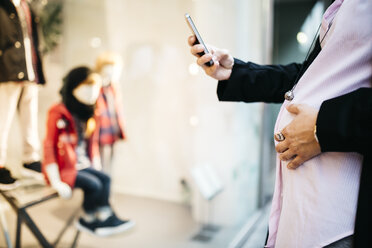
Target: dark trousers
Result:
[96, 187]
[346, 242]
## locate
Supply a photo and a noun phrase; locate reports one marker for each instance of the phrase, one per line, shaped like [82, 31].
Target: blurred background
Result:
[178, 134]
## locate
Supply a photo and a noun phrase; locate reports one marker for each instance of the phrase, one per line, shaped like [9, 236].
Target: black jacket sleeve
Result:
[344, 123]
[250, 82]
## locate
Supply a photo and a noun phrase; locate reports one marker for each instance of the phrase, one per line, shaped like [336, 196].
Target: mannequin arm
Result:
[62, 188]
[97, 163]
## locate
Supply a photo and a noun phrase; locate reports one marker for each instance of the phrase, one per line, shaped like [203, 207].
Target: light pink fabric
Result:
[315, 204]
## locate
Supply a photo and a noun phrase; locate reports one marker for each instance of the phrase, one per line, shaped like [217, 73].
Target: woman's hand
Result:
[300, 143]
[223, 61]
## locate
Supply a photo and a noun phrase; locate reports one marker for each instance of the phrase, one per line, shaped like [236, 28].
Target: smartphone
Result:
[199, 40]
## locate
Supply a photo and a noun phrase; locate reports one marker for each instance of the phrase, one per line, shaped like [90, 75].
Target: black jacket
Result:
[344, 124]
[12, 53]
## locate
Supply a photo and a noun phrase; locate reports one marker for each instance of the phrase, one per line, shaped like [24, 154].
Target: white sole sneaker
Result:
[109, 231]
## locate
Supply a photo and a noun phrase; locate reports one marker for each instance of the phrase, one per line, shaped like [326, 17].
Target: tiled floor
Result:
[159, 224]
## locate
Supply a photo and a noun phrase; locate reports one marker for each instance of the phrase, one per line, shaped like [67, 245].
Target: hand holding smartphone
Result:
[199, 40]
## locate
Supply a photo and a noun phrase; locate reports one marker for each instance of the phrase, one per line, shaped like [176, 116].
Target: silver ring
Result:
[279, 136]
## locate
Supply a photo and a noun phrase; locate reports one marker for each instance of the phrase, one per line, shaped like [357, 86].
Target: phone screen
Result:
[199, 40]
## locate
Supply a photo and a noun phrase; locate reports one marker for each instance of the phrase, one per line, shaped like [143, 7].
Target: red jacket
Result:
[60, 143]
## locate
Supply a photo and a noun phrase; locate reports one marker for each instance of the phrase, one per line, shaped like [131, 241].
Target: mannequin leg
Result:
[104, 222]
[28, 112]
[9, 95]
[92, 188]
[104, 181]
[106, 153]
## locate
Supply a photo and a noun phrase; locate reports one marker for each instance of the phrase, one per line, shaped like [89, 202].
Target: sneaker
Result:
[34, 166]
[113, 225]
[86, 226]
[7, 182]
[32, 170]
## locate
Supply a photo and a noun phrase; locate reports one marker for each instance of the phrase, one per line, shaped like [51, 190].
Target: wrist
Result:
[229, 68]
[228, 74]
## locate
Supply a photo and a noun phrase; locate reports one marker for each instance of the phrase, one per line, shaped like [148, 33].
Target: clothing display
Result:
[111, 119]
[61, 141]
[71, 154]
[19, 49]
[20, 72]
[109, 105]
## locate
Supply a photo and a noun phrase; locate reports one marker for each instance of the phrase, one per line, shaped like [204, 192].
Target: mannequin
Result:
[109, 66]
[71, 154]
[20, 76]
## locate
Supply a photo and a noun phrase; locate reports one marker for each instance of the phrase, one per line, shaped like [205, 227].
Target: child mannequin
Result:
[71, 156]
[111, 121]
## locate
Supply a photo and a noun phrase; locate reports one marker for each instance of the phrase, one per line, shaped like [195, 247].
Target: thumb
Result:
[294, 109]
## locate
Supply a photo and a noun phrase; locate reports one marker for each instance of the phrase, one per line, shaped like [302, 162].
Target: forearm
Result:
[344, 124]
[250, 82]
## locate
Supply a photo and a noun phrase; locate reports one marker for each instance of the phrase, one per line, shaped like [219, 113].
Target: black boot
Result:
[33, 170]
[7, 182]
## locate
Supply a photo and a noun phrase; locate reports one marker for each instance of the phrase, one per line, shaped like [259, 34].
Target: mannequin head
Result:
[109, 66]
[88, 90]
[80, 90]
